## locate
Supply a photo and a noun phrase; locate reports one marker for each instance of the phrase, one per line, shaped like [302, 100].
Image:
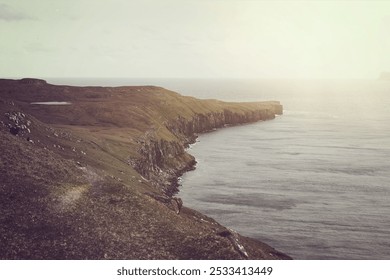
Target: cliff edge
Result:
[90, 173]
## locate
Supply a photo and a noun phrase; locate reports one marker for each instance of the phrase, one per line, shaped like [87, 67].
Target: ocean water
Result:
[313, 183]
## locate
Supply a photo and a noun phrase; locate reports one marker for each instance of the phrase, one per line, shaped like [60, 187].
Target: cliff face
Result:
[162, 162]
[200, 123]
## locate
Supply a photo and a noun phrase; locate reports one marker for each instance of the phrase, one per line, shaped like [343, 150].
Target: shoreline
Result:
[155, 150]
[100, 174]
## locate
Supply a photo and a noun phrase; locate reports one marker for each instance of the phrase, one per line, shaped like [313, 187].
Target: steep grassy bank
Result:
[94, 179]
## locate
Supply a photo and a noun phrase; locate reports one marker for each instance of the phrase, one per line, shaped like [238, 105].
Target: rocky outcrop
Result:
[162, 162]
[17, 123]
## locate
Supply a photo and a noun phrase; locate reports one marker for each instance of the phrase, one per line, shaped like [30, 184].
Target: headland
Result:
[91, 173]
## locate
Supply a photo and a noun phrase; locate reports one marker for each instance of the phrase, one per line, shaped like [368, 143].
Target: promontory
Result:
[91, 173]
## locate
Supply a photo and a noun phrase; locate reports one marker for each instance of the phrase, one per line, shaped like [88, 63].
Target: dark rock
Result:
[14, 130]
[224, 233]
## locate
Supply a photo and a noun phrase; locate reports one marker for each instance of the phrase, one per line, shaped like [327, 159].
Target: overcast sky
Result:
[203, 38]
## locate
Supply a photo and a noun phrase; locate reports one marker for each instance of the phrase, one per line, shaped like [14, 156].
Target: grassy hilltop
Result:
[94, 179]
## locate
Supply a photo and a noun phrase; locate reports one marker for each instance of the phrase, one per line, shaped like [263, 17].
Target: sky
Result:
[195, 39]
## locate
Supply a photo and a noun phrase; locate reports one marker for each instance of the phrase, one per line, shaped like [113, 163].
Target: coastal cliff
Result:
[164, 161]
[93, 176]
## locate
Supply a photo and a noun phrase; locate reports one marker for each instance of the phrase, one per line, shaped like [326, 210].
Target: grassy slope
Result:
[72, 194]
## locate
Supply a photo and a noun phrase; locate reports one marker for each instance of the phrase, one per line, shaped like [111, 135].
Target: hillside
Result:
[93, 178]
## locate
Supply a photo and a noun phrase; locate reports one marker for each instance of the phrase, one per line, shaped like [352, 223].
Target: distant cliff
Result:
[93, 178]
[32, 81]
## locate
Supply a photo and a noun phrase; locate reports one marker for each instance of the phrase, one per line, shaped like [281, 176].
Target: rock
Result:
[18, 123]
[14, 130]
[177, 204]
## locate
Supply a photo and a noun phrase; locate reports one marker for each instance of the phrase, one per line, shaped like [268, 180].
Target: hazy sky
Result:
[203, 38]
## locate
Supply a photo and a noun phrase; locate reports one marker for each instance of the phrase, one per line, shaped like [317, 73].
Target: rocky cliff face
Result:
[162, 161]
[200, 123]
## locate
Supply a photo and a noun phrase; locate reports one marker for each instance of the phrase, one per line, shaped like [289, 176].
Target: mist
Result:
[195, 39]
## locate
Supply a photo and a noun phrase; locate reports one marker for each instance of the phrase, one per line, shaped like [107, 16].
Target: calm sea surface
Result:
[313, 183]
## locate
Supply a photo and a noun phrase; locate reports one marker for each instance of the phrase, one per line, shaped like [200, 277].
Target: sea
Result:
[313, 183]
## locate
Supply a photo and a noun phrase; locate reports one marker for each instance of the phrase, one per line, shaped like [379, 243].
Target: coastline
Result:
[100, 173]
[154, 149]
